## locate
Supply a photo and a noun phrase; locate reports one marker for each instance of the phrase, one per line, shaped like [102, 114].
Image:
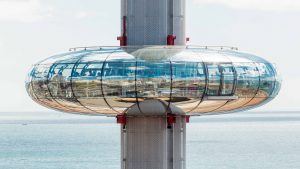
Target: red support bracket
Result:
[187, 119]
[121, 119]
[171, 40]
[171, 119]
[123, 38]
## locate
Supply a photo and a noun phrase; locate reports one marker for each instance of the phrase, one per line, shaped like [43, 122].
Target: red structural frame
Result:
[121, 119]
[171, 119]
[123, 38]
[171, 40]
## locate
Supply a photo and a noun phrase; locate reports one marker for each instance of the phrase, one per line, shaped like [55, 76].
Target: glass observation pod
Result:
[109, 80]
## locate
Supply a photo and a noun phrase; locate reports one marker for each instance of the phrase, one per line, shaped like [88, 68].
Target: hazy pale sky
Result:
[32, 30]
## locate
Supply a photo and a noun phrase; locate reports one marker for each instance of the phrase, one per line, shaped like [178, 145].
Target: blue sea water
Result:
[238, 141]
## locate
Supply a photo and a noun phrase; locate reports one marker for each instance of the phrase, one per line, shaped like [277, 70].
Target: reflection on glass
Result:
[86, 84]
[267, 80]
[109, 80]
[186, 80]
[118, 83]
[214, 80]
[86, 80]
[98, 105]
[61, 88]
[278, 81]
[153, 80]
[39, 81]
[234, 104]
[59, 78]
[40, 89]
[227, 79]
[247, 80]
[71, 57]
[255, 101]
[188, 84]
[209, 106]
[267, 85]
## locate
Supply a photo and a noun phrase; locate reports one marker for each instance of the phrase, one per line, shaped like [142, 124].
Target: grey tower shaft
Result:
[153, 22]
[154, 138]
[152, 143]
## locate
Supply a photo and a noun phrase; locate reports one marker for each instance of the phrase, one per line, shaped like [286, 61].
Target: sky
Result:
[32, 30]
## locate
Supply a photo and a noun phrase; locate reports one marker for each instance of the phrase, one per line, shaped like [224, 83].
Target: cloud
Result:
[1, 49]
[22, 10]
[82, 14]
[265, 5]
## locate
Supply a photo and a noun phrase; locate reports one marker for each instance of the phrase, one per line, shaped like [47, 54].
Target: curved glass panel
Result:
[49, 103]
[266, 86]
[109, 81]
[243, 56]
[227, 79]
[188, 80]
[60, 87]
[278, 81]
[247, 83]
[211, 56]
[40, 87]
[153, 80]
[86, 80]
[39, 81]
[248, 80]
[188, 84]
[214, 79]
[207, 106]
[118, 81]
[28, 81]
[95, 57]
[71, 57]
[267, 79]
[86, 84]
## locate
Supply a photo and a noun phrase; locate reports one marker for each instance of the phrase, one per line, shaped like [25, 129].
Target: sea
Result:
[250, 140]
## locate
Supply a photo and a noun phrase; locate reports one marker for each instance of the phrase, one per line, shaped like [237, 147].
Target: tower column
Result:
[153, 142]
[151, 22]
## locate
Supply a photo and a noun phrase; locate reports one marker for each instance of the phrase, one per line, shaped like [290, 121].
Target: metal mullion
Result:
[235, 80]
[36, 97]
[135, 86]
[71, 84]
[47, 81]
[221, 79]
[171, 88]
[101, 80]
[221, 86]
[258, 88]
[275, 80]
[204, 67]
